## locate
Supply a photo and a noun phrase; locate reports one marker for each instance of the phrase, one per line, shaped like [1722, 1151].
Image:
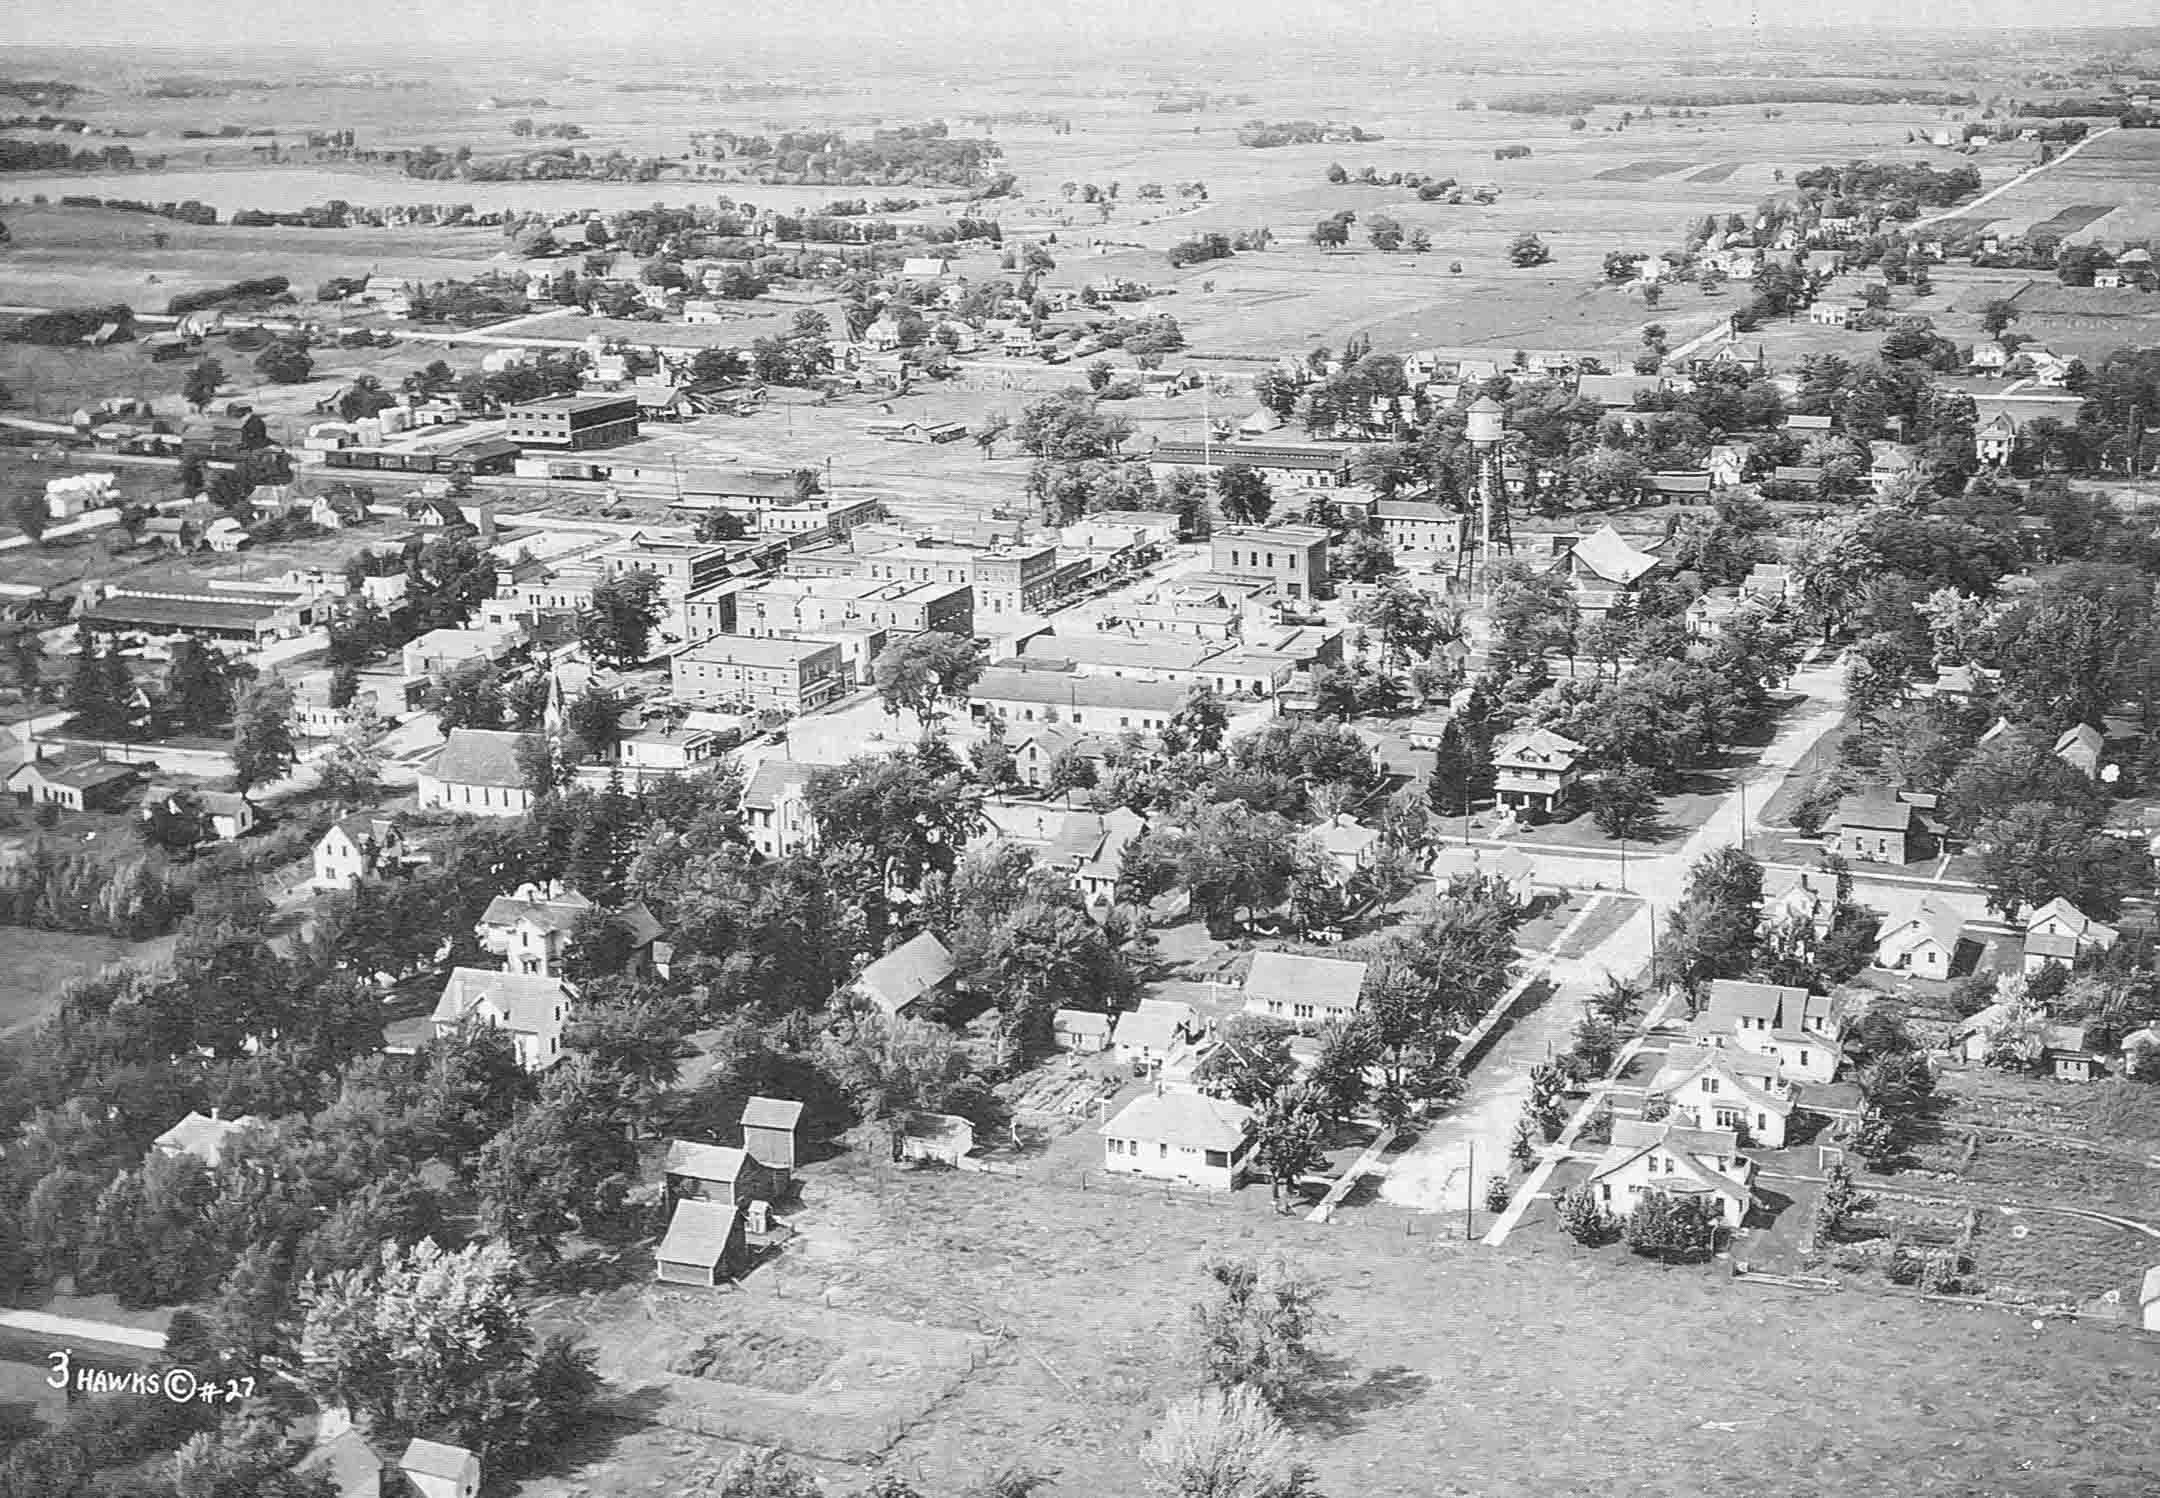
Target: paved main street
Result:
[1434, 1174]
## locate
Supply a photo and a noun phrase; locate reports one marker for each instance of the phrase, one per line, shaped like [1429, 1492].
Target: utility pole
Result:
[1469, 1192]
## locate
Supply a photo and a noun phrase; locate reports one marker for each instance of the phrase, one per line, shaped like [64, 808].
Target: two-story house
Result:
[1721, 1087]
[533, 1010]
[2059, 932]
[776, 808]
[1800, 1031]
[1924, 943]
[356, 848]
[1537, 770]
[533, 928]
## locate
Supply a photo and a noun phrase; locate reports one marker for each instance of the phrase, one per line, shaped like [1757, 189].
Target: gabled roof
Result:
[1610, 556]
[1156, 1024]
[763, 790]
[481, 756]
[362, 827]
[2064, 1038]
[1345, 834]
[81, 773]
[1292, 976]
[1538, 746]
[202, 1136]
[1733, 999]
[704, 1162]
[557, 914]
[437, 1459]
[526, 1001]
[355, 1467]
[2051, 944]
[1801, 886]
[906, 973]
[1190, 1119]
[2081, 926]
[1875, 813]
[771, 1113]
[2083, 738]
[1633, 1138]
[1750, 1077]
[698, 1233]
[1935, 922]
[1617, 390]
[1082, 1022]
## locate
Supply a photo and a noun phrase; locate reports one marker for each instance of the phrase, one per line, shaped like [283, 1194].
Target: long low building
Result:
[1092, 704]
[246, 621]
[1285, 465]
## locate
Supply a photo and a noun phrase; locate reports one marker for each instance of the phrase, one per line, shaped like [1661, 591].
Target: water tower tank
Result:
[1486, 419]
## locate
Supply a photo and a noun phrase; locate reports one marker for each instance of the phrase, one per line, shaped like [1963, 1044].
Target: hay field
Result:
[2118, 175]
[1460, 1370]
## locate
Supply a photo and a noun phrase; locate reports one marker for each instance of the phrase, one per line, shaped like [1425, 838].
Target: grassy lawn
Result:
[1820, 759]
[1461, 1371]
[45, 962]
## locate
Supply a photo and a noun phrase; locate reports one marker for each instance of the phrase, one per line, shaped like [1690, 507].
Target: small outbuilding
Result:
[717, 1173]
[772, 1132]
[703, 1246]
[1083, 1030]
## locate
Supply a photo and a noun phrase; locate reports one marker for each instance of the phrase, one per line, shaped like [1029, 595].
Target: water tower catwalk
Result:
[1487, 433]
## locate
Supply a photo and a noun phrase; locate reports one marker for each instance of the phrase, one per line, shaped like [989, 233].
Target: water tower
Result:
[1487, 431]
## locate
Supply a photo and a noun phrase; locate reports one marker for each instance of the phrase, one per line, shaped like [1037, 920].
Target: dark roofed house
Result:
[704, 1244]
[223, 438]
[78, 782]
[2066, 1056]
[908, 974]
[1874, 828]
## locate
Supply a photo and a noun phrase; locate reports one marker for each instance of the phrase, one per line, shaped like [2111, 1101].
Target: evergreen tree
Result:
[100, 692]
[1447, 788]
[197, 697]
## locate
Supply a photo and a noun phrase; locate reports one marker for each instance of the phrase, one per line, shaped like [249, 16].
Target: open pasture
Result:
[1456, 1370]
